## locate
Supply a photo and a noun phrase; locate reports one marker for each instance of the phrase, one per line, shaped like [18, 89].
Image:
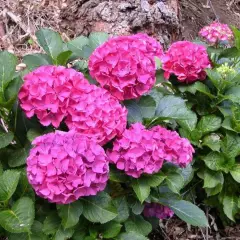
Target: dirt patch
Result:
[194, 14]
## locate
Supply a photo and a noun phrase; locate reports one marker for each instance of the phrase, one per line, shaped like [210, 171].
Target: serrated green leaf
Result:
[235, 172]
[233, 94]
[189, 124]
[8, 184]
[175, 181]
[50, 41]
[20, 217]
[110, 230]
[154, 180]
[63, 234]
[140, 109]
[139, 225]
[70, 213]
[97, 38]
[230, 205]
[99, 208]
[214, 191]
[117, 175]
[77, 46]
[209, 123]
[63, 58]
[36, 60]
[212, 179]
[122, 208]
[5, 139]
[18, 157]
[137, 207]
[236, 33]
[81, 65]
[8, 64]
[230, 146]
[172, 107]
[213, 141]
[141, 188]
[214, 161]
[188, 212]
[51, 224]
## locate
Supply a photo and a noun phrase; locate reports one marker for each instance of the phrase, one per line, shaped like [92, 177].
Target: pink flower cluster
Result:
[140, 151]
[187, 61]
[157, 210]
[216, 32]
[45, 93]
[55, 94]
[125, 65]
[178, 150]
[63, 167]
[97, 114]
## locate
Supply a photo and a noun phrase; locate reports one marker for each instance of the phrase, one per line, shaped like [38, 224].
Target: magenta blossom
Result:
[157, 210]
[137, 152]
[187, 61]
[178, 151]
[216, 32]
[45, 93]
[94, 112]
[62, 167]
[125, 65]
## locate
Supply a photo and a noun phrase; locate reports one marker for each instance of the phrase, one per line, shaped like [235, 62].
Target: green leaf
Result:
[97, 38]
[81, 65]
[139, 225]
[197, 87]
[233, 94]
[209, 123]
[70, 213]
[230, 146]
[8, 64]
[36, 60]
[214, 161]
[20, 217]
[18, 157]
[131, 236]
[171, 107]
[235, 172]
[214, 191]
[230, 205]
[111, 230]
[8, 184]
[187, 173]
[236, 33]
[51, 224]
[230, 53]
[212, 179]
[141, 188]
[154, 180]
[63, 58]
[140, 109]
[189, 124]
[122, 208]
[137, 207]
[213, 141]
[99, 208]
[175, 181]
[33, 133]
[77, 45]
[5, 139]
[50, 41]
[117, 175]
[188, 212]
[63, 234]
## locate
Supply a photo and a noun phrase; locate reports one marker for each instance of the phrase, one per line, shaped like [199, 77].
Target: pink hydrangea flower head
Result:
[64, 166]
[157, 210]
[216, 32]
[94, 112]
[187, 61]
[125, 65]
[136, 152]
[178, 151]
[46, 91]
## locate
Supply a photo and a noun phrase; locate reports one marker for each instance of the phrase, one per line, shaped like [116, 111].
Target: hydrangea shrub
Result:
[103, 136]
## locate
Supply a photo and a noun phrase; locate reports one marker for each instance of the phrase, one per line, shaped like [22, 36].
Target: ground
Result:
[167, 20]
